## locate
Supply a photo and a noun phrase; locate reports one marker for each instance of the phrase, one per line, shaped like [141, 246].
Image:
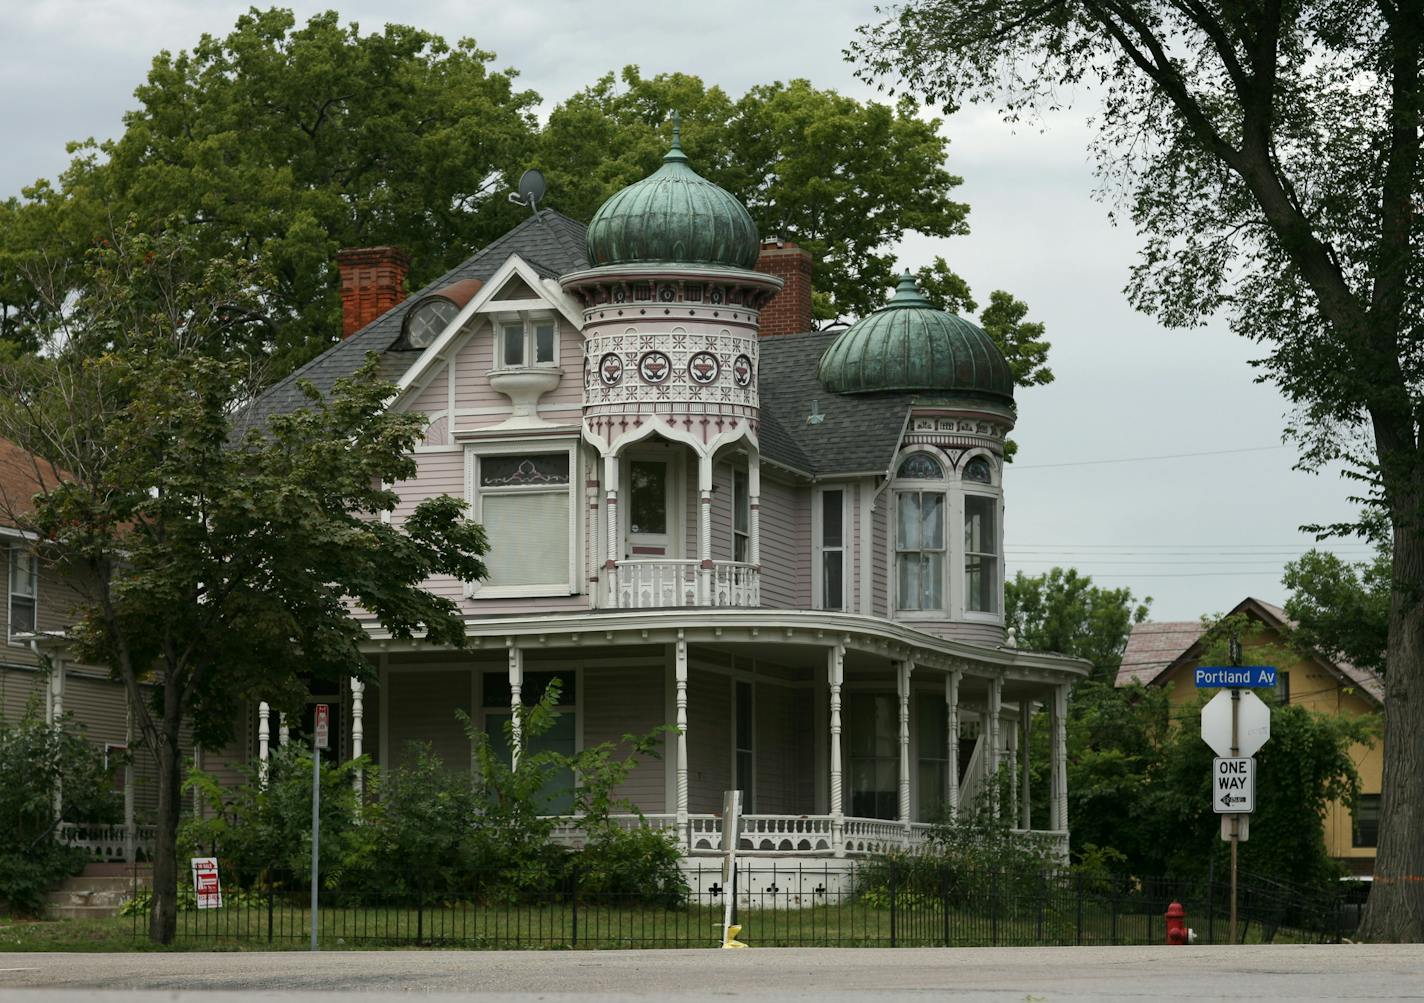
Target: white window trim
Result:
[529, 319]
[960, 577]
[11, 555]
[573, 672]
[738, 534]
[945, 487]
[473, 452]
[819, 550]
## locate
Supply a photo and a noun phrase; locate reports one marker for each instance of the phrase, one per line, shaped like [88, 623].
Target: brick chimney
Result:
[372, 281]
[789, 311]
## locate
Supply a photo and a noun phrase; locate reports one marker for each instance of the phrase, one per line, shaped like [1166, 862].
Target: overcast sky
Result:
[1197, 533]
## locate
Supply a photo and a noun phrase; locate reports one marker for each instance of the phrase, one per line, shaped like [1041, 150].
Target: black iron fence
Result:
[884, 903]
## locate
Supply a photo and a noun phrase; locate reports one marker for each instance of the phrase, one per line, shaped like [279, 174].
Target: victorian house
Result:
[701, 512]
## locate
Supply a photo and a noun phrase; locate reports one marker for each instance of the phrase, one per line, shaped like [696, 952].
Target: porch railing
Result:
[108, 843]
[665, 582]
[794, 835]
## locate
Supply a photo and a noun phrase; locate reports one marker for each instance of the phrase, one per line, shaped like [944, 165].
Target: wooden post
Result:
[358, 732]
[615, 527]
[516, 687]
[902, 691]
[704, 535]
[264, 740]
[951, 708]
[680, 676]
[835, 673]
[992, 738]
[1025, 799]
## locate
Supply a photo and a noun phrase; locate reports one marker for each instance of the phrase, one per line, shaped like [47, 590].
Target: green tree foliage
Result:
[843, 178]
[1270, 156]
[1020, 340]
[36, 761]
[282, 143]
[1065, 612]
[211, 563]
[1341, 608]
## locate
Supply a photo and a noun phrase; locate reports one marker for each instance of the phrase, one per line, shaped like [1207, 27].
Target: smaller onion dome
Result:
[676, 216]
[909, 345]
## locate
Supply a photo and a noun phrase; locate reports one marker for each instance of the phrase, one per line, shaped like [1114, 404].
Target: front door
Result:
[652, 512]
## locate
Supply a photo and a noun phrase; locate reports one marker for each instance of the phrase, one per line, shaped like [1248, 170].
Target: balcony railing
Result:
[661, 583]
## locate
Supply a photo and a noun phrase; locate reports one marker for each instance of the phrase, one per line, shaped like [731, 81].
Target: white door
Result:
[652, 511]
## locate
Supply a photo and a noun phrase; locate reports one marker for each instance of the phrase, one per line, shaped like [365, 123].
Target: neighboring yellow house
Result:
[1167, 654]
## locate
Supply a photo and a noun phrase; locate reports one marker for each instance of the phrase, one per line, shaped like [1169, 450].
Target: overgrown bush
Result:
[261, 834]
[34, 760]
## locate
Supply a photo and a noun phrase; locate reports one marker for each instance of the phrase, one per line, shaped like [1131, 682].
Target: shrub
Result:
[34, 758]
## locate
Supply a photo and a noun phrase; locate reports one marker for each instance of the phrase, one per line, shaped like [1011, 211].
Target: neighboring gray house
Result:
[787, 543]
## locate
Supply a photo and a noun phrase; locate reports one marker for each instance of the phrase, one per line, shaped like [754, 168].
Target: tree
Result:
[215, 566]
[1269, 154]
[1065, 612]
[282, 144]
[843, 178]
[1341, 608]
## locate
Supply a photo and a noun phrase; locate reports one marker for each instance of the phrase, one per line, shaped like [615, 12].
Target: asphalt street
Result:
[1042, 975]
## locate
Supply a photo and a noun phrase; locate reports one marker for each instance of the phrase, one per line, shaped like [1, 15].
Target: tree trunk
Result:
[163, 920]
[1395, 911]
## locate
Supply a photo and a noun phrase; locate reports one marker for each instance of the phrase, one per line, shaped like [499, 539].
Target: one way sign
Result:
[1233, 788]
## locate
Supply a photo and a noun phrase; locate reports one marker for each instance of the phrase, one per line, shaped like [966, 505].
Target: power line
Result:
[1143, 459]
[1114, 546]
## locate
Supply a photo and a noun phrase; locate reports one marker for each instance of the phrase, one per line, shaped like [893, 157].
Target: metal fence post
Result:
[944, 896]
[1211, 900]
[1080, 908]
[994, 907]
[573, 901]
[893, 889]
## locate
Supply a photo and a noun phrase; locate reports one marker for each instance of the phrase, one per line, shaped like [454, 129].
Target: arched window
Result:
[920, 539]
[979, 471]
[920, 467]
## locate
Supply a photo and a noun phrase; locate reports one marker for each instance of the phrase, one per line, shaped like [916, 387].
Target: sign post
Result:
[731, 835]
[1235, 727]
[206, 886]
[320, 733]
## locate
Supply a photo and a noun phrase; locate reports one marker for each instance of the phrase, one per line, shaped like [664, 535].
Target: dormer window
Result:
[425, 320]
[526, 341]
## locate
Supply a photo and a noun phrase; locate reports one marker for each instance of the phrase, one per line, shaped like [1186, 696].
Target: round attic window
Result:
[427, 319]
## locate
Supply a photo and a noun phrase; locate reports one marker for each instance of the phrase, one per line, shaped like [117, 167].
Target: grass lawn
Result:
[467, 926]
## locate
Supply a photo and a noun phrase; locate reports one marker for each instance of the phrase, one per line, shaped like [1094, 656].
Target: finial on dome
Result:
[675, 154]
[908, 293]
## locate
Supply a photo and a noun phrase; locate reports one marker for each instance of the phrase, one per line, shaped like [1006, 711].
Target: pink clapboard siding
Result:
[785, 544]
[619, 700]
[478, 405]
[709, 739]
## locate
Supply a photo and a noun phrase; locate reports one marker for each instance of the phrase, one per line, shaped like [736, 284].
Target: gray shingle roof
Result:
[857, 434]
[550, 242]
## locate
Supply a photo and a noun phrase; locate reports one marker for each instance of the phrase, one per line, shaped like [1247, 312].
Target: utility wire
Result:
[1143, 459]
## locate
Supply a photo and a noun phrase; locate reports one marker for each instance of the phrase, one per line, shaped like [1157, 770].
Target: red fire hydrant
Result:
[1177, 932]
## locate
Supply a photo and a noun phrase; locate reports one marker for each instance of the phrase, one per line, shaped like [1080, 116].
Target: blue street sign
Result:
[1250, 677]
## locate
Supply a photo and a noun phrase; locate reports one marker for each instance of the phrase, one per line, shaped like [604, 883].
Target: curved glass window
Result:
[920, 467]
[919, 549]
[425, 320]
[978, 470]
[981, 554]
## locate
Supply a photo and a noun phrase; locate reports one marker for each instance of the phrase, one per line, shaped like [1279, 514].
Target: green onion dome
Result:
[909, 345]
[674, 215]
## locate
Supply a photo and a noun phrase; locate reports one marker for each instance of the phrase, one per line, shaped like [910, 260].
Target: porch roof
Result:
[865, 635]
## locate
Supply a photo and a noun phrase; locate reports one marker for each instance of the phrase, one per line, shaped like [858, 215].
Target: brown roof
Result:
[1152, 648]
[22, 476]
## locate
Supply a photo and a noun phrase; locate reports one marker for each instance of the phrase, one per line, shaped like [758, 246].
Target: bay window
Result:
[525, 503]
[741, 517]
[829, 525]
[981, 540]
[919, 535]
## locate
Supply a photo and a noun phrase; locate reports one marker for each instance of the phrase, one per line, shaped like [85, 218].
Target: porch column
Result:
[902, 691]
[704, 531]
[835, 672]
[680, 679]
[284, 734]
[56, 692]
[1058, 769]
[615, 527]
[264, 738]
[1025, 800]
[754, 508]
[516, 687]
[358, 732]
[991, 726]
[951, 709]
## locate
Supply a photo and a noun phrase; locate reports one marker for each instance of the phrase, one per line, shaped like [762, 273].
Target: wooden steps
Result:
[98, 892]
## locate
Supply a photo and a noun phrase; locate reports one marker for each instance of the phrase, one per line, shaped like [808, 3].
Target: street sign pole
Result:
[321, 720]
[1236, 819]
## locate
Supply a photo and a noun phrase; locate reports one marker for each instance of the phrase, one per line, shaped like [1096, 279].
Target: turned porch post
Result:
[754, 508]
[264, 740]
[902, 691]
[951, 709]
[56, 717]
[835, 672]
[991, 727]
[358, 732]
[1059, 759]
[704, 532]
[284, 734]
[1025, 800]
[615, 527]
[516, 688]
[680, 677]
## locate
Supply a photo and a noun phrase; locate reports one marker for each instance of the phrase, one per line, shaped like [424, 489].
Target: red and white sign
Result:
[323, 725]
[206, 884]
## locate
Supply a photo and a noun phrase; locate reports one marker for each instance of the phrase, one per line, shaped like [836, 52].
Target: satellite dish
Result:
[531, 189]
